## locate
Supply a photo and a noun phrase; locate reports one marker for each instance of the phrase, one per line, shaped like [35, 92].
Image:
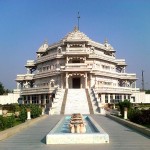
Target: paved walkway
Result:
[33, 138]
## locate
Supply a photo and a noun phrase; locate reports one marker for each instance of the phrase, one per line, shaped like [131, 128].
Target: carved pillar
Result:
[134, 84]
[39, 99]
[85, 80]
[18, 85]
[90, 80]
[102, 98]
[122, 97]
[44, 99]
[30, 99]
[108, 98]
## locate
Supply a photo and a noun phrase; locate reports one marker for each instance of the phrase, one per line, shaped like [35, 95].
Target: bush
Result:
[7, 122]
[10, 121]
[16, 107]
[35, 111]
[133, 115]
[9, 107]
[139, 116]
[3, 122]
[23, 114]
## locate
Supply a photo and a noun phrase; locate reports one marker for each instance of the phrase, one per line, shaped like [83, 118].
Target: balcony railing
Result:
[30, 63]
[37, 90]
[122, 76]
[103, 57]
[46, 57]
[24, 77]
[79, 49]
[76, 67]
[122, 90]
[121, 62]
[46, 73]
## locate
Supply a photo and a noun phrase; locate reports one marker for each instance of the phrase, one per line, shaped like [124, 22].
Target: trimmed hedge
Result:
[7, 122]
[139, 116]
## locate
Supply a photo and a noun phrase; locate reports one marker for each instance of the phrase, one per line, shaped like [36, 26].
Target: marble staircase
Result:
[57, 103]
[76, 102]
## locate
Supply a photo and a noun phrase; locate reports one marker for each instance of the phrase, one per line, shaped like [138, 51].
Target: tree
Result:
[2, 90]
[147, 91]
[122, 105]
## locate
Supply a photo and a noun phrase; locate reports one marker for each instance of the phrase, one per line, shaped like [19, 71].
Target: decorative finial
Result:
[78, 19]
[46, 42]
[75, 29]
[106, 41]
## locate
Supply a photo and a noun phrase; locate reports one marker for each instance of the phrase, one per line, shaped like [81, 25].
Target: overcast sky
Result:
[26, 24]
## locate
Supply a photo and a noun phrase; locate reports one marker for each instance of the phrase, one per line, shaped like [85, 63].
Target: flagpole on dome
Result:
[78, 19]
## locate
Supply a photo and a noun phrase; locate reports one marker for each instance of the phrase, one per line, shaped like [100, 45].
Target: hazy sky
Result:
[26, 24]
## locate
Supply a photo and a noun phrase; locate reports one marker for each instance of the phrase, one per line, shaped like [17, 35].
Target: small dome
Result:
[43, 47]
[107, 45]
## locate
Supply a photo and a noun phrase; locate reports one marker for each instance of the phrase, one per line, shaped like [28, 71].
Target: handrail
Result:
[89, 101]
[64, 102]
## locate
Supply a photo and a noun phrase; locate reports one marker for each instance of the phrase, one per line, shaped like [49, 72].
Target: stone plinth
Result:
[28, 115]
[125, 113]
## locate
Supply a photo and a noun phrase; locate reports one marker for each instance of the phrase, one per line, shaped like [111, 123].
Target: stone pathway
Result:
[33, 138]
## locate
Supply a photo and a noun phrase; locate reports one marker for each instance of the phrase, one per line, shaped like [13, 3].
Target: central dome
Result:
[76, 35]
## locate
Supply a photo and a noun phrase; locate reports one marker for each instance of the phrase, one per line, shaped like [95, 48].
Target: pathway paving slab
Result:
[33, 138]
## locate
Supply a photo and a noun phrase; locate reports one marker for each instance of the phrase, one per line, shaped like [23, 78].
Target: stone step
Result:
[76, 102]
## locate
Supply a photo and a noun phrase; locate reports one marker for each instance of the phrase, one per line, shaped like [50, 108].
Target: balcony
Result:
[76, 50]
[24, 77]
[123, 90]
[37, 90]
[76, 67]
[30, 63]
[121, 62]
[46, 58]
[103, 57]
[128, 76]
[122, 76]
[46, 73]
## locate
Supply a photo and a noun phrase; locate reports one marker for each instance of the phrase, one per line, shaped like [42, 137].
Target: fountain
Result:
[77, 129]
[77, 124]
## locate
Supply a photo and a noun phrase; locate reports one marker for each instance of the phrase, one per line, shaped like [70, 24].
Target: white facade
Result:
[10, 98]
[76, 61]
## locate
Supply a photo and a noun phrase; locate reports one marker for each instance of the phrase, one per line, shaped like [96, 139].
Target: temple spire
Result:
[78, 19]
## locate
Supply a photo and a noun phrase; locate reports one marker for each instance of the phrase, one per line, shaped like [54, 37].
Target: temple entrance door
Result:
[76, 83]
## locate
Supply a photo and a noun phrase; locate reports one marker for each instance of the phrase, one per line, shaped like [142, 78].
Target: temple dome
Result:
[76, 35]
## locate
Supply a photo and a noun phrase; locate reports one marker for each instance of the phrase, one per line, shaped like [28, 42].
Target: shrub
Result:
[9, 107]
[7, 122]
[10, 121]
[133, 115]
[139, 116]
[16, 107]
[35, 111]
[23, 114]
[3, 122]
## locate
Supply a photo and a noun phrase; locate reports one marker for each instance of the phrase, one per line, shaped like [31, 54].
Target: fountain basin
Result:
[60, 133]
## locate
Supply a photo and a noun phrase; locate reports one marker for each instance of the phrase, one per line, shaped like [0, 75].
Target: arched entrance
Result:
[76, 82]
